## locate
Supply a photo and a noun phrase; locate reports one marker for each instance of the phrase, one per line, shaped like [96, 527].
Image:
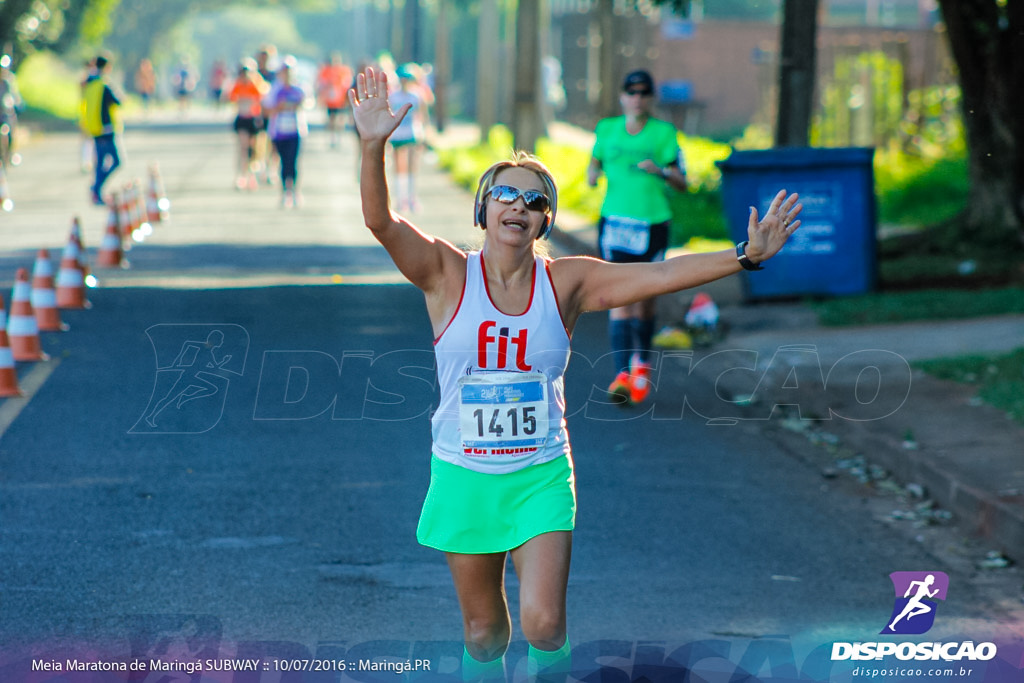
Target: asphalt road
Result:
[272, 511]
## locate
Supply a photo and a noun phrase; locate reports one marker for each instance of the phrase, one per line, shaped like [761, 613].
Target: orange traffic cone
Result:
[111, 252]
[157, 204]
[5, 194]
[8, 377]
[144, 228]
[124, 214]
[143, 215]
[76, 244]
[71, 276]
[22, 329]
[76, 230]
[44, 295]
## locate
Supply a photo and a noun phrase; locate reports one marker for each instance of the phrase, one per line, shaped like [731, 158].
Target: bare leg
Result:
[480, 586]
[542, 564]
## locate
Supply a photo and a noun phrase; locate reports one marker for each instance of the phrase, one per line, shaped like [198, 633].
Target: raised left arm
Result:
[594, 285]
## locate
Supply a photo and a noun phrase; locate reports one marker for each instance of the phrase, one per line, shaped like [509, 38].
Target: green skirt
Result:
[473, 513]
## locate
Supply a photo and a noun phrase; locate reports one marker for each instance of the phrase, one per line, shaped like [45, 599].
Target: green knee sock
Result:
[475, 670]
[549, 662]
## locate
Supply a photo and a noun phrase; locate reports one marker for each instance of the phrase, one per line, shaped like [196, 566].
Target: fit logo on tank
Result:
[494, 345]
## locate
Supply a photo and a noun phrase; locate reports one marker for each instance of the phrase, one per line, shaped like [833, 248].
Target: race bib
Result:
[287, 122]
[628, 235]
[503, 410]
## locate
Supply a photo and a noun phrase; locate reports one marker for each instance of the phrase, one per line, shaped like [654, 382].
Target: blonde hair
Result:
[518, 159]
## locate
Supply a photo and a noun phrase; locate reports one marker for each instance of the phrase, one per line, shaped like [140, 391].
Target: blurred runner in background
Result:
[332, 84]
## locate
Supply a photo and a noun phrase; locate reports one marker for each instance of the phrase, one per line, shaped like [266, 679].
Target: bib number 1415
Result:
[516, 421]
[503, 410]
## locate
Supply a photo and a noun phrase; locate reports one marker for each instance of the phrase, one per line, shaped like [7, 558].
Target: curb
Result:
[985, 514]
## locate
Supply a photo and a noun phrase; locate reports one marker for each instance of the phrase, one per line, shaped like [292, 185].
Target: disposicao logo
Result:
[916, 592]
[913, 613]
[194, 366]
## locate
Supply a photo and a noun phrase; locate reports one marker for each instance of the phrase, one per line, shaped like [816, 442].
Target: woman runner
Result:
[502, 478]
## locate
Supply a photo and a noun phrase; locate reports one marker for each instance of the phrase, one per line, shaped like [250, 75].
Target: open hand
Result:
[370, 109]
[767, 235]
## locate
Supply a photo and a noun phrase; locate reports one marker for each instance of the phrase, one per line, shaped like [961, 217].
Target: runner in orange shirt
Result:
[247, 93]
[332, 84]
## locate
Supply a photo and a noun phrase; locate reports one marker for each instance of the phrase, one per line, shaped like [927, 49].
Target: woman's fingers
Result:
[787, 206]
[783, 207]
[773, 208]
[754, 220]
[402, 112]
[360, 87]
[368, 84]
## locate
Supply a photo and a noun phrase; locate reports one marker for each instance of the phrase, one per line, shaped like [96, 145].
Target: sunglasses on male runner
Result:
[534, 201]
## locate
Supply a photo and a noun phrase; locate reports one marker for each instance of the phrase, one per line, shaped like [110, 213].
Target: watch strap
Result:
[745, 262]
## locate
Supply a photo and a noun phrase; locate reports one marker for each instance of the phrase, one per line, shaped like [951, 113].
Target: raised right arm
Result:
[423, 259]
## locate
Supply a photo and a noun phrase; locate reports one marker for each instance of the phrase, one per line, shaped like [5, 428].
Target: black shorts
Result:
[249, 124]
[649, 243]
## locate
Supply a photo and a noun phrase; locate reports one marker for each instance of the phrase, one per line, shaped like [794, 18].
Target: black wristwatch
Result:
[741, 256]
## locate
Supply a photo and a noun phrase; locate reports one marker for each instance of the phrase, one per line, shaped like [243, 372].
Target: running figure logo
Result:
[914, 610]
[194, 368]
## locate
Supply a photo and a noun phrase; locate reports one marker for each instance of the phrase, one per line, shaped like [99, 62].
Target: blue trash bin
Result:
[834, 251]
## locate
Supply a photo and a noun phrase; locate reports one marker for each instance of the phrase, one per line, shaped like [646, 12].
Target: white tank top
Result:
[501, 377]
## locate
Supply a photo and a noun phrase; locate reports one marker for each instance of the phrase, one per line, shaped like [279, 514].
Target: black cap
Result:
[639, 78]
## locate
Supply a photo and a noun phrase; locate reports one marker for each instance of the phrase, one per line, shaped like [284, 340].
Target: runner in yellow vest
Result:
[100, 118]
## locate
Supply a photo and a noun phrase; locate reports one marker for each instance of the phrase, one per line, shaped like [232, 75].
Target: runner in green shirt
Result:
[639, 156]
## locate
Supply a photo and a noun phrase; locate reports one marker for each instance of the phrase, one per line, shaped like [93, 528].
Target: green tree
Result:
[92, 21]
[30, 25]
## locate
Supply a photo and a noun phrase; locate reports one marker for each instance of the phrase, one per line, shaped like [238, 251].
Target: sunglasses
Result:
[534, 201]
[641, 93]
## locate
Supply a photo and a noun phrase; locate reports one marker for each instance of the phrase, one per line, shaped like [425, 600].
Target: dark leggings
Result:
[288, 150]
[107, 161]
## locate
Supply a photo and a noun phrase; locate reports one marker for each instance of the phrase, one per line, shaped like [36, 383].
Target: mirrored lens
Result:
[535, 201]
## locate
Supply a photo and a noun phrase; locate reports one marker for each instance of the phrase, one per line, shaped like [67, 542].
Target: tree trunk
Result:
[527, 122]
[410, 32]
[487, 63]
[442, 66]
[10, 12]
[608, 67]
[796, 72]
[987, 42]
